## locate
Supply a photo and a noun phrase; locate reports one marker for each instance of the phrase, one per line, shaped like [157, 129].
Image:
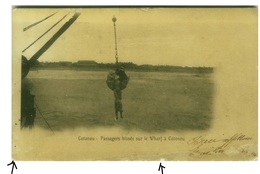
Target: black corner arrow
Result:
[161, 167]
[13, 165]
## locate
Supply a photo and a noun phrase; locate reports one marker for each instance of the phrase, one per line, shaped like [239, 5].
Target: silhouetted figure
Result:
[121, 73]
[118, 97]
[117, 81]
[28, 111]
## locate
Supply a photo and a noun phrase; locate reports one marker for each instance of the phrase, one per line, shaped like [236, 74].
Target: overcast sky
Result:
[172, 36]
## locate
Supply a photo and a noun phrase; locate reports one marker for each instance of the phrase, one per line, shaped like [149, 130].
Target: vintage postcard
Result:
[116, 84]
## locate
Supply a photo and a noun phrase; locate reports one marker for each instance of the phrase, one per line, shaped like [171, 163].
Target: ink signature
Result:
[205, 146]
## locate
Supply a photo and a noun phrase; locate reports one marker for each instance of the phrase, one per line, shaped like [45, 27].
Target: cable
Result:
[48, 44]
[32, 25]
[44, 33]
[43, 117]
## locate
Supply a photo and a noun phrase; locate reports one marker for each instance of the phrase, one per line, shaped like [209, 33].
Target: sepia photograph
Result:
[134, 83]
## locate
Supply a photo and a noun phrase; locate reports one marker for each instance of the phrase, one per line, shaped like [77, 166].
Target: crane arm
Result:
[48, 44]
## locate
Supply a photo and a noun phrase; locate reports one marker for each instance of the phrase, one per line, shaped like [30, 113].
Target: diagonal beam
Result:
[44, 33]
[47, 45]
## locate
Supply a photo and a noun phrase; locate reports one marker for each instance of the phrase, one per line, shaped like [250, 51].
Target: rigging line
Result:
[45, 33]
[49, 43]
[43, 117]
[32, 25]
[116, 56]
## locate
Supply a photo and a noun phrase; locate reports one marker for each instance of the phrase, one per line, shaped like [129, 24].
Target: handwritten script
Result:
[200, 145]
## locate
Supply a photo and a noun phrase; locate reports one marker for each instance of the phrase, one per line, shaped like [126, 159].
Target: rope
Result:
[44, 33]
[32, 25]
[48, 44]
[116, 56]
[43, 117]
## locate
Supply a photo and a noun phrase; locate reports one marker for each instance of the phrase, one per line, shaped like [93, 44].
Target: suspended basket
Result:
[123, 84]
[111, 81]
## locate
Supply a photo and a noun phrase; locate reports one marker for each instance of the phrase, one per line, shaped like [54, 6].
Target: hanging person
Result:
[118, 97]
[122, 77]
[117, 81]
[121, 72]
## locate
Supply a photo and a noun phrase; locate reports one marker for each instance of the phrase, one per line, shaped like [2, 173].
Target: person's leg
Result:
[116, 110]
[120, 108]
[118, 104]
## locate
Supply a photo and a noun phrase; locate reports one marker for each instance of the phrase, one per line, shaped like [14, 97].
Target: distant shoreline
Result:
[196, 70]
